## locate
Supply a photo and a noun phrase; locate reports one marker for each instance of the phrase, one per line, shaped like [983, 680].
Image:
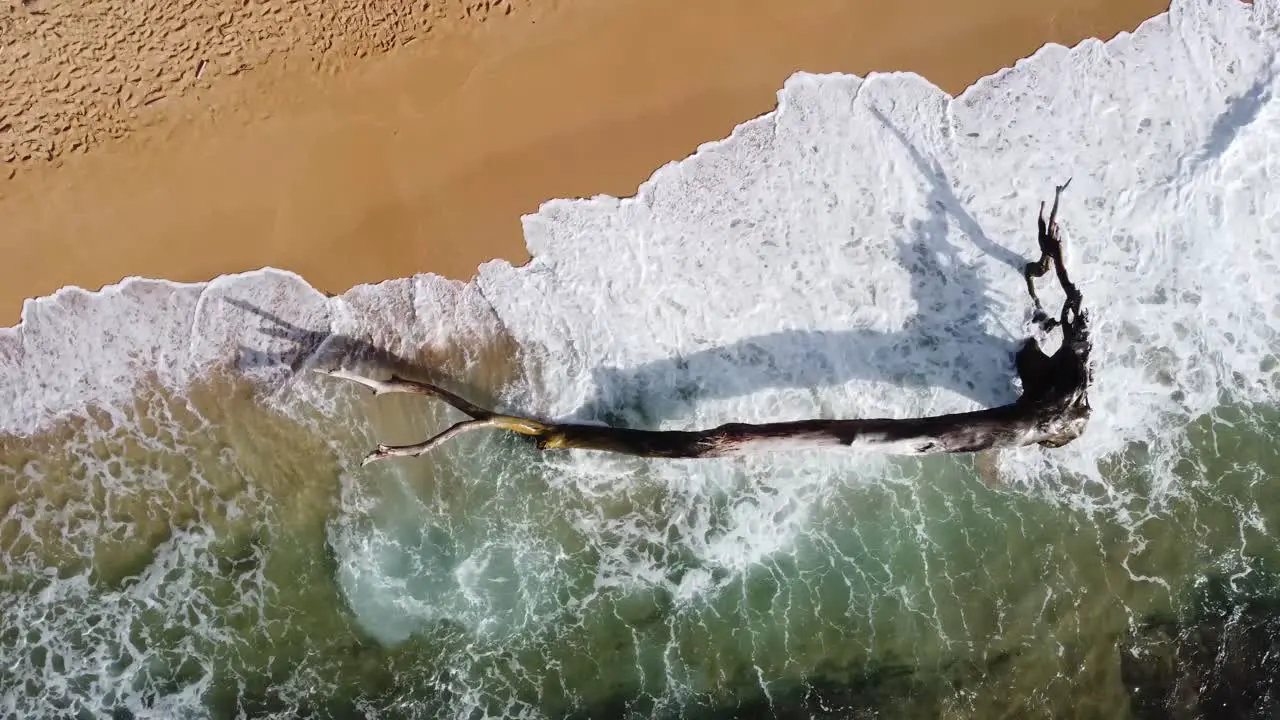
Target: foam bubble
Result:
[852, 253]
[856, 252]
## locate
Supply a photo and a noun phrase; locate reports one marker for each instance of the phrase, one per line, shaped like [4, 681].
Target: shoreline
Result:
[408, 163]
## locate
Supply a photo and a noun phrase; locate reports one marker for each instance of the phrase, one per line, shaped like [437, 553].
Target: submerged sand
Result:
[353, 141]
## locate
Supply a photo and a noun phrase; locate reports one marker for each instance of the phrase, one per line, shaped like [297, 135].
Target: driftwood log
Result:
[1052, 410]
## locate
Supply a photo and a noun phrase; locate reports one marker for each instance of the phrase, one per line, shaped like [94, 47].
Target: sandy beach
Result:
[858, 502]
[354, 141]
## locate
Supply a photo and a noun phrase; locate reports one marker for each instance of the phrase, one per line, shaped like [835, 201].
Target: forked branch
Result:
[1050, 255]
[1052, 411]
[480, 417]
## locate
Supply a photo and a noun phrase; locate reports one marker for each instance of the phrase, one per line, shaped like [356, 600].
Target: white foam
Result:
[856, 252]
[793, 225]
[852, 253]
[76, 349]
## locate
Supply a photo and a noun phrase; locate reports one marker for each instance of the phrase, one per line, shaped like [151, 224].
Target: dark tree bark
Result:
[1052, 411]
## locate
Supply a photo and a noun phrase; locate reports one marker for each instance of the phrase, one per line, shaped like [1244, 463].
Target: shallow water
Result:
[419, 590]
[186, 530]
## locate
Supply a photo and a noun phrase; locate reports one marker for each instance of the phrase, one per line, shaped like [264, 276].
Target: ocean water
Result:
[186, 530]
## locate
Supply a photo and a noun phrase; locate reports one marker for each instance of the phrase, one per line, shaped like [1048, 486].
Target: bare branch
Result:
[519, 425]
[1050, 255]
[1052, 411]
[400, 385]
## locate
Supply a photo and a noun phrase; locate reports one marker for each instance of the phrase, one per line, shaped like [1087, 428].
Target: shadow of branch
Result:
[944, 345]
[323, 350]
[943, 198]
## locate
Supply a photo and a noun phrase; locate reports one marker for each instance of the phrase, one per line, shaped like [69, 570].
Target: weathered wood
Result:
[1050, 254]
[1052, 410]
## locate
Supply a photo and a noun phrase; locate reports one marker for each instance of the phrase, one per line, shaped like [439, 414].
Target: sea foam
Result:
[854, 253]
[857, 252]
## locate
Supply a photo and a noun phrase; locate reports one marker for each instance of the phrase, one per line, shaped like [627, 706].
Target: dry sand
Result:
[357, 140]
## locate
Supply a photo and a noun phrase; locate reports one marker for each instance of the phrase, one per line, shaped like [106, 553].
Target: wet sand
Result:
[412, 141]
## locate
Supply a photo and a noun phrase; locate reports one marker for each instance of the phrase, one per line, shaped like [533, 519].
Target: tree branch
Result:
[523, 426]
[1052, 411]
[400, 385]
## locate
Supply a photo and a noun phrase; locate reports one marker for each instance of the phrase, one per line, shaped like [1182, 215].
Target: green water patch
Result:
[493, 581]
[1218, 657]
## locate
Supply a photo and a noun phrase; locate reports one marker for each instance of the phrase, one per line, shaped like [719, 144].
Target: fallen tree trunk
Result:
[1052, 411]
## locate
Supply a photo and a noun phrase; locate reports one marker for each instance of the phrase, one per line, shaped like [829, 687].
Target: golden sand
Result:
[353, 141]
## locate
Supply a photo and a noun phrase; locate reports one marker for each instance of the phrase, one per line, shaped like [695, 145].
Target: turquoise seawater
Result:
[912, 591]
[186, 530]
